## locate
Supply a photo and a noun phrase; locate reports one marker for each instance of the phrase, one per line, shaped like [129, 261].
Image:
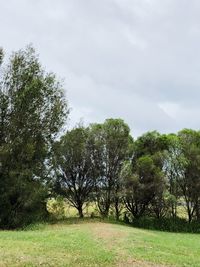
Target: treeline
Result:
[151, 176]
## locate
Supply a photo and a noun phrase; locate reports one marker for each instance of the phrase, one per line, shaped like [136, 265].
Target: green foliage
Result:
[167, 224]
[150, 143]
[56, 207]
[151, 176]
[142, 185]
[73, 168]
[111, 144]
[189, 181]
[32, 111]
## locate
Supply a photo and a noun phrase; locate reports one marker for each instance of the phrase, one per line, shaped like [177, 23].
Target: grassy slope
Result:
[97, 244]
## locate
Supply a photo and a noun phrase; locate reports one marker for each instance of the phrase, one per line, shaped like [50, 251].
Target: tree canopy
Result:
[32, 112]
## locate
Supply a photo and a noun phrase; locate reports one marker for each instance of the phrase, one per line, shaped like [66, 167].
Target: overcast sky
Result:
[134, 59]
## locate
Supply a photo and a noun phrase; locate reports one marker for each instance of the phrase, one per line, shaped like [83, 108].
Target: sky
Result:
[138, 60]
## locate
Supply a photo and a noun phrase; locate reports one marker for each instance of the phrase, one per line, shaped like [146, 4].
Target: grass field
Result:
[94, 243]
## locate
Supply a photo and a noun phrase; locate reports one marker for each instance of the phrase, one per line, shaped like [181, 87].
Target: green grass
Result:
[93, 243]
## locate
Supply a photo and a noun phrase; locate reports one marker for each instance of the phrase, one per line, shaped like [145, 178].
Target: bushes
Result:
[56, 207]
[167, 224]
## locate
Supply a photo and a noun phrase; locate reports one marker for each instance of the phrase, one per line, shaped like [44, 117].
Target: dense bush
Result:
[167, 224]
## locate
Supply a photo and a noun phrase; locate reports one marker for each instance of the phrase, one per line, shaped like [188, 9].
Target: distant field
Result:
[94, 243]
[61, 208]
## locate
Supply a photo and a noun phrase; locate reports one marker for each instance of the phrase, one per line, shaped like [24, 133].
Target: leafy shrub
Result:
[56, 207]
[167, 224]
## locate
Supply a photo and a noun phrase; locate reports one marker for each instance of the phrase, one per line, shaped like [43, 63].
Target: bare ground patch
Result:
[113, 238]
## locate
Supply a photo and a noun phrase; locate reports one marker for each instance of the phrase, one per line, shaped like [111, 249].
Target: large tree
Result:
[142, 182]
[111, 145]
[73, 166]
[189, 180]
[152, 145]
[174, 168]
[32, 111]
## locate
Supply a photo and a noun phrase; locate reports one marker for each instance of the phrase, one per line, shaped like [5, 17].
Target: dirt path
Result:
[113, 239]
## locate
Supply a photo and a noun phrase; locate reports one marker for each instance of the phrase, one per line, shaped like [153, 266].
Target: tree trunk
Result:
[105, 213]
[80, 211]
[104, 206]
[117, 211]
[197, 210]
[189, 214]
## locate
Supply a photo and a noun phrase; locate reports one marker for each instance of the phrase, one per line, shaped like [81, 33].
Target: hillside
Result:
[87, 243]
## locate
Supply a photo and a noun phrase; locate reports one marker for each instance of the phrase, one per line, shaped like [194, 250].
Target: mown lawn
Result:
[94, 243]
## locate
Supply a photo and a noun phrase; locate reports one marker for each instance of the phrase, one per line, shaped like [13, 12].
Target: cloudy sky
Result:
[134, 59]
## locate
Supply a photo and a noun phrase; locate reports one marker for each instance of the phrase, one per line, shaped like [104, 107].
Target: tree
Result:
[153, 146]
[32, 111]
[111, 144]
[189, 181]
[149, 144]
[174, 167]
[142, 182]
[75, 178]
